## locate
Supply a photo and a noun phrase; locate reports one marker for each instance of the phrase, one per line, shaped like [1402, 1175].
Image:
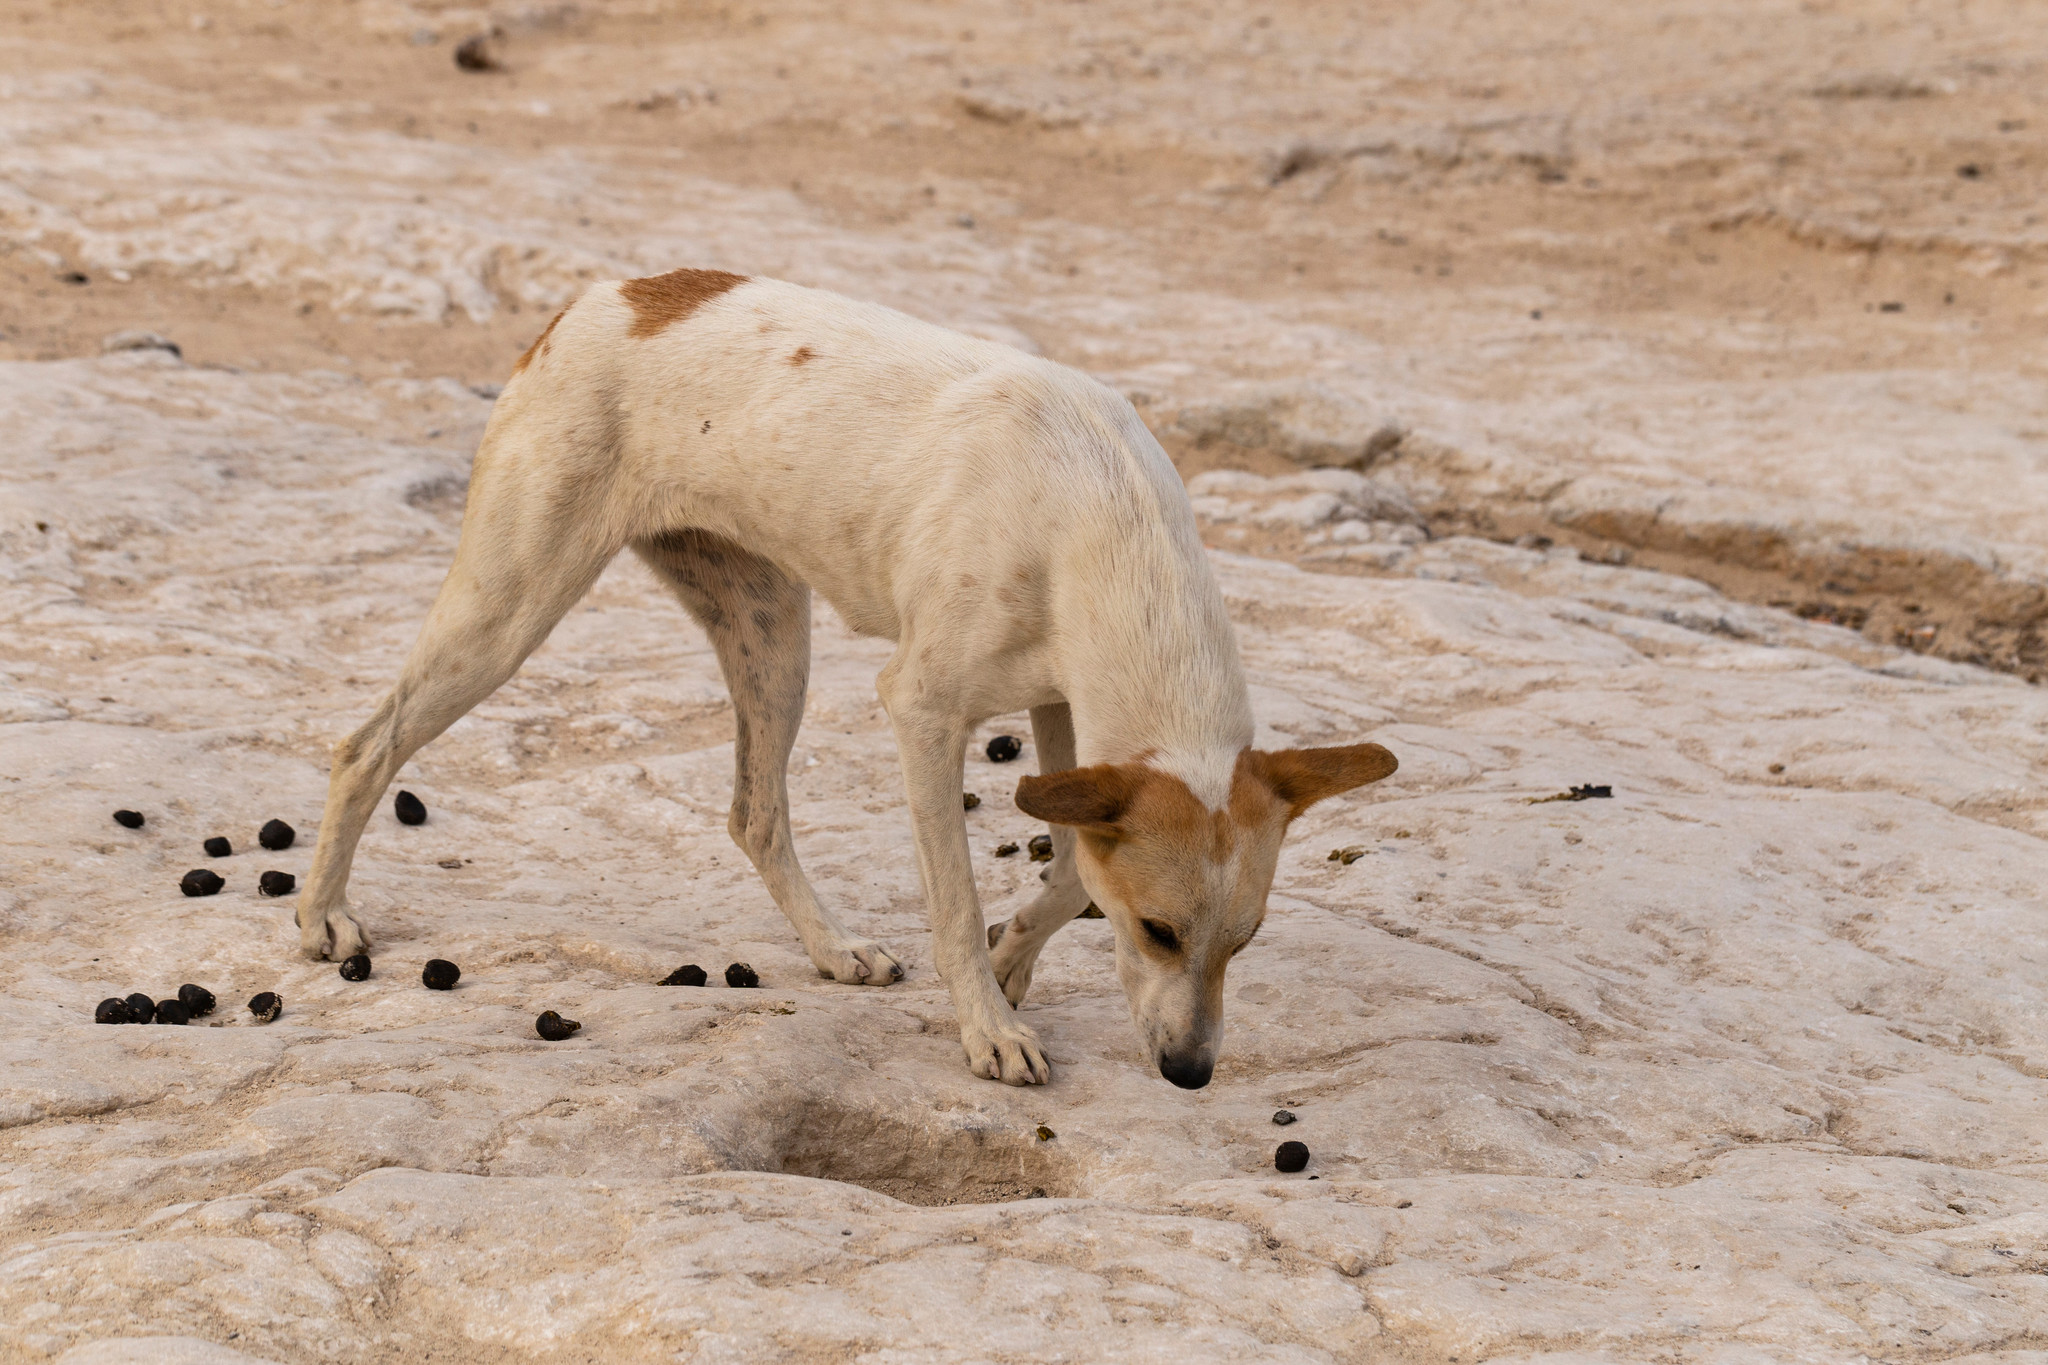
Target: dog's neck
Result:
[1153, 669]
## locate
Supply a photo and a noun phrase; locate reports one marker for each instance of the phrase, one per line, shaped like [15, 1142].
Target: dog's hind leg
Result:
[759, 621]
[1016, 944]
[529, 550]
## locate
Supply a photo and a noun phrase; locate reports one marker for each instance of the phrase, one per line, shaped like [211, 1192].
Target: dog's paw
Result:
[335, 935]
[1008, 1052]
[1012, 964]
[858, 962]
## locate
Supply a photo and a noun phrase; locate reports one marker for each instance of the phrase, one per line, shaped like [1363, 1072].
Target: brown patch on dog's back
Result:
[658, 300]
[801, 354]
[539, 344]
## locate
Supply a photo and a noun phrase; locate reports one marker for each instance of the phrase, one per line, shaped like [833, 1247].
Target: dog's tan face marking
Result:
[659, 300]
[800, 355]
[1185, 885]
[539, 344]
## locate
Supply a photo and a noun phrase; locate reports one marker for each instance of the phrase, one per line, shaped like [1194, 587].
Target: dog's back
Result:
[874, 456]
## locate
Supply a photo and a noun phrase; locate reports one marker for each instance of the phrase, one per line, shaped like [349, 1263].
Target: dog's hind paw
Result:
[336, 936]
[1009, 1052]
[857, 962]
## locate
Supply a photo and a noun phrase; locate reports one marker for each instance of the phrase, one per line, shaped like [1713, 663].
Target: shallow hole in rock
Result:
[932, 1163]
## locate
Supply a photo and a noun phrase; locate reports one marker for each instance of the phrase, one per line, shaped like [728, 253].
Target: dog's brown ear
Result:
[1302, 777]
[1088, 798]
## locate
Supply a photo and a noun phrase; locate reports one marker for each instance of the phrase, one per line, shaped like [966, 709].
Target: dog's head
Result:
[1184, 884]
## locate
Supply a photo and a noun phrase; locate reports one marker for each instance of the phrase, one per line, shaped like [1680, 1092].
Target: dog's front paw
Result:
[857, 962]
[334, 935]
[1008, 1052]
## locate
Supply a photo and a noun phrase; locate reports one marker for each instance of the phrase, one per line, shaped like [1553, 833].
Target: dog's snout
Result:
[1189, 1073]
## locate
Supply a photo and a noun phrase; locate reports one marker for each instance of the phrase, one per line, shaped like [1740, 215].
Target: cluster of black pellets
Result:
[190, 1003]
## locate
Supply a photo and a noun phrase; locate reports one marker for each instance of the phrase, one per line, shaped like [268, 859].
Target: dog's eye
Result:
[1162, 934]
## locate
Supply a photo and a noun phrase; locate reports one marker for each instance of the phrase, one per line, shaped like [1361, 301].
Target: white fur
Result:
[1008, 522]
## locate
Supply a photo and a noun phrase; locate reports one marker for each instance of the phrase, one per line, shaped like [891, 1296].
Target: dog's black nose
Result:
[1189, 1073]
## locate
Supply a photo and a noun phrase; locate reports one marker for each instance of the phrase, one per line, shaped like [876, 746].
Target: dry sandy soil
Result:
[1642, 395]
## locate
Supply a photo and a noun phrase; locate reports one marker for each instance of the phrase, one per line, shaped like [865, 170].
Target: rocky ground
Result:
[1641, 396]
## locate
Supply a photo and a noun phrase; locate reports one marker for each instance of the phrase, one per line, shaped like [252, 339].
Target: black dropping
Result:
[1290, 1157]
[356, 968]
[554, 1027]
[440, 974]
[128, 819]
[1283, 1117]
[968, 801]
[1041, 848]
[201, 882]
[112, 1010]
[217, 847]
[409, 809]
[171, 1012]
[691, 975]
[276, 836]
[1003, 748]
[141, 1009]
[1589, 792]
[739, 974]
[197, 999]
[1005, 850]
[276, 883]
[266, 1006]
[474, 54]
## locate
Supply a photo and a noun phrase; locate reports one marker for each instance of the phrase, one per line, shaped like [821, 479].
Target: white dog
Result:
[1008, 522]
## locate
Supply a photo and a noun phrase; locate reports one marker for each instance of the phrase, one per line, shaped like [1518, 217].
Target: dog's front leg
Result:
[999, 1045]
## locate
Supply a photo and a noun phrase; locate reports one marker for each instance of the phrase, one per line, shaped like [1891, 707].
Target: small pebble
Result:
[112, 1010]
[440, 974]
[1283, 1117]
[172, 1012]
[554, 1027]
[1041, 848]
[201, 882]
[1003, 748]
[1005, 850]
[128, 819]
[266, 1006]
[356, 968]
[276, 883]
[968, 801]
[692, 975]
[739, 974]
[141, 1009]
[409, 809]
[276, 836]
[217, 847]
[1290, 1157]
[197, 999]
